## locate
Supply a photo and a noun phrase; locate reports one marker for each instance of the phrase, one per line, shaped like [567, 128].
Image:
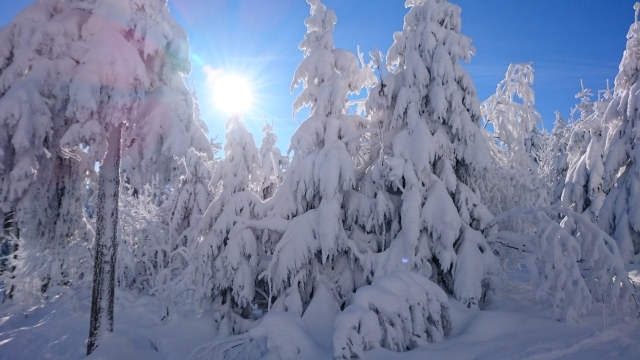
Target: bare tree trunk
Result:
[106, 243]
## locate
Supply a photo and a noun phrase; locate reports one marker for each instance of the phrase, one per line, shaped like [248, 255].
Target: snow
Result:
[513, 325]
[58, 329]
[403, 230]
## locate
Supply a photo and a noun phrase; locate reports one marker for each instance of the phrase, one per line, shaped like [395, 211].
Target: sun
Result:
[232, 93]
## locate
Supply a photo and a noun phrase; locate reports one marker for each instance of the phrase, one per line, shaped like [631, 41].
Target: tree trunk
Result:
[106, 243]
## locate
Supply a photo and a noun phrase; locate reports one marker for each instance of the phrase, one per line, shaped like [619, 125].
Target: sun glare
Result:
[232, 93]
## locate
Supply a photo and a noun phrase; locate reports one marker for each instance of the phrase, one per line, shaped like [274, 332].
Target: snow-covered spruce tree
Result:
[311, 249]
[304, 217]
[274, 164]
[301, 226]
[514, 122]
[93, 64]
[159, 227]
[432, 148]
[572, 263]
[583, 189]
[185, 209]
[515, 143]
[586, 106]
[158, 235]
[40, 184]
[228, 256]
[554, 159]
[416, 210]
[620, 212]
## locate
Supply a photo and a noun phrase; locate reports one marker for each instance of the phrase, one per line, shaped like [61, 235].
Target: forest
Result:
[405, 212]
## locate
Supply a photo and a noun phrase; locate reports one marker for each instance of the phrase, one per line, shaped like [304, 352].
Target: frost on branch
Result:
[398, 311]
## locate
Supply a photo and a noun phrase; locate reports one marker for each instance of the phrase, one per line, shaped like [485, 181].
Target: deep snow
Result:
[513, 326]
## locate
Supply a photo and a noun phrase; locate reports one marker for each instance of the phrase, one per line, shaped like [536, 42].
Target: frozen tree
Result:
[143, 235]
[421, 211]
[586, 107]
[274, 164]
[40, 183]
[158, 235]
[186, 208]
[85, 69]
[174, 264]
[572, 263]
[554, 159]
[620, 212]
[515, 142]
[228, 256]
[580, 135]
[583, 189]
[515, 123]
[311, 241]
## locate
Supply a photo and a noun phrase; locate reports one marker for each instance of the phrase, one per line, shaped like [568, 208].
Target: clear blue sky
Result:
[567, 40]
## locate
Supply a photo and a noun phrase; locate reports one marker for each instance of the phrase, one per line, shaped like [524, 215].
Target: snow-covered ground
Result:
[513, 326]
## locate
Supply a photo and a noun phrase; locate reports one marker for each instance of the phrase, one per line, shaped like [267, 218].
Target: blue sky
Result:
[567, 40]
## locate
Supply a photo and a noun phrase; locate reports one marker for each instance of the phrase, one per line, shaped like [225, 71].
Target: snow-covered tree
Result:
[159, 235]
[40, 183]
[399, 311]
[620, 212]
[422, 212]
[554, 159]
[274, 164]
[311, 248]
[515, 123]
[586, 106]
[515, 142]
[572, 263]
[143, 237]
[583, 189]
[77, 74]
[228, 257]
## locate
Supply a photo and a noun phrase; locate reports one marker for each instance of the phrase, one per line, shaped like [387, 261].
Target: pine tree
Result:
[186, 208]
[311, 244]
[228, 255]
[619, 215]
[554, 159]
[274, 164]
[432, 147]
[515, 141]
[583, 189]
[40, 183]
[90, 71]
[515, 122]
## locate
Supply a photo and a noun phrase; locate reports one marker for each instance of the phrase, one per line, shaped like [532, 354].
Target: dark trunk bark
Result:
[106, 243]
